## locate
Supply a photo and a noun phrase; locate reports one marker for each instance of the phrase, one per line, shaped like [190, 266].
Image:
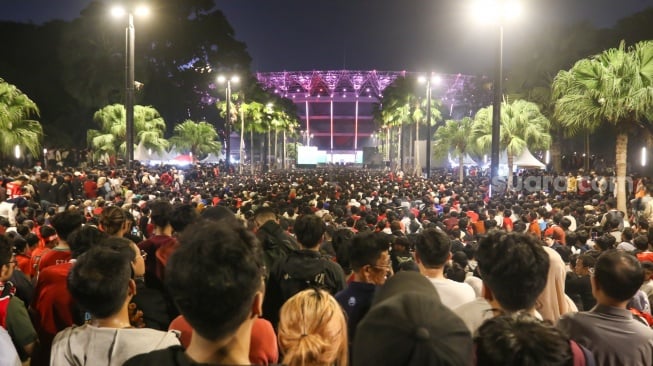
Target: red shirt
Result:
[14, 190]
[645, 256]
[263, 341]
[90, 188]
[52, 304]
[24, 264]
[150, 246]
[54, 257]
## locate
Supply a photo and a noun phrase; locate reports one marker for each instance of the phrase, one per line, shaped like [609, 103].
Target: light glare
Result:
[644, 156]
[221, 79]
[235, 79]
[118, 11]
[142, 11]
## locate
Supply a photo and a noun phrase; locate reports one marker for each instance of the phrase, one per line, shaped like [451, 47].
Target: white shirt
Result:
[452, 293]
[8, 354]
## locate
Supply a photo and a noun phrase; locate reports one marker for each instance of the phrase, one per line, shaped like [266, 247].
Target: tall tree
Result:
[110, 139]
[522, 126]
[541, 59]
[455, 138]
[615, 88]
[197, 137]
[16, 126]
[403, 105]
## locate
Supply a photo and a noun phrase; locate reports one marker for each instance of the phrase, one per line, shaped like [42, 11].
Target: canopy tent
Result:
[211, 159]
[467, 161]
[527, 160]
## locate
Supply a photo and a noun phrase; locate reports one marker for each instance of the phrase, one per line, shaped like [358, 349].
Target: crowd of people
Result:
[334, 266]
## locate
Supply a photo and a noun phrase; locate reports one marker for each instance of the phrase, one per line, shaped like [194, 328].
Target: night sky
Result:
[414, 35]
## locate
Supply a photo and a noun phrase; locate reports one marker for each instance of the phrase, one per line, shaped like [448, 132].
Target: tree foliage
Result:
[110, 138]
[522, 126]
[17, 128]
[198, 138]
[614, 88]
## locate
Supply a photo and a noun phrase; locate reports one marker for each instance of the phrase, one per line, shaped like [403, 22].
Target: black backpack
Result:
[302, 273]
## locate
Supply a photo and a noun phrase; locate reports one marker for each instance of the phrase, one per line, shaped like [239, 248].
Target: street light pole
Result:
[221, 79]
[496, 111]
[129, 89]
[227, 128]
[428, 128]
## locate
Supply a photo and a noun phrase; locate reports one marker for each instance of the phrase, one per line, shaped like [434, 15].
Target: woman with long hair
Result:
[313, 330]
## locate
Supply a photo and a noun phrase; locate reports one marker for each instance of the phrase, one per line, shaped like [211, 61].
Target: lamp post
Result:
[497, 11]
[119, 12]
[434, 79]
[222, 79]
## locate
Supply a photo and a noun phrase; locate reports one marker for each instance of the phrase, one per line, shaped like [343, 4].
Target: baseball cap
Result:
[407, 324]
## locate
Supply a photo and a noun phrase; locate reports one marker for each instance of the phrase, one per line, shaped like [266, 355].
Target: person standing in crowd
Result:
[408, 325]
[313, 330]
[609, 329]
[101, 282]
[160, 216]
[53, 308]
[63, 223]
[216, 278]
[514, 267]
[371, 264]
[432, 252]
[302, 268]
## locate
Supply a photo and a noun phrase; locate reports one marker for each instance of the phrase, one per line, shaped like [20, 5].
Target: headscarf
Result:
[552, 302]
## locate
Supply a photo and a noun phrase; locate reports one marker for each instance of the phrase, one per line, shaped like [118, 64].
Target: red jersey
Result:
[53, 307]
[14, 190]
[36, 258]
[23, 263]
[54, 257]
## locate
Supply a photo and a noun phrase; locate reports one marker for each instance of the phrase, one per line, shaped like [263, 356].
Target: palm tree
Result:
[401, 107]
[197, 137]
[16, 127]
[522, 125]
[614, 87]
[455, 137]
[149, 128]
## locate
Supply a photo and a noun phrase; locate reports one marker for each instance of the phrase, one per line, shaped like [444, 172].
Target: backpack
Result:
[275, 249]
[301, 274]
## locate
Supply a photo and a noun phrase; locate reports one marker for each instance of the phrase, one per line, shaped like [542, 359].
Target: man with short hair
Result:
[514, 269]
[609, 329]
[216, 278]
[433, 251]
[276, 243]
[578, 286]
[102, 283]
[302, 268]
[370, 261]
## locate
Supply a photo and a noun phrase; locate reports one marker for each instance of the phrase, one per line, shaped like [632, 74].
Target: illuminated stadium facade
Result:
[336, 107]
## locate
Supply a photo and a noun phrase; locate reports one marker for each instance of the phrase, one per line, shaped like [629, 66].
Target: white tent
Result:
[211, 159]
[467, 161]
[141, 153]
[527, 160]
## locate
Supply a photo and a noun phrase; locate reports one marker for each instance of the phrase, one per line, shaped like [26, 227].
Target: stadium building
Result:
[336, 108]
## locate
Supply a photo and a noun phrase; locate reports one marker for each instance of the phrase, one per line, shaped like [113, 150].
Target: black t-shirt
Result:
[171, 356]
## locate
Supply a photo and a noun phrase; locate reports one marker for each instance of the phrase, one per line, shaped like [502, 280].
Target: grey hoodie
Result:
[89, 345]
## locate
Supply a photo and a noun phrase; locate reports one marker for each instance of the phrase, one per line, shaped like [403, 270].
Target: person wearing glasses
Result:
[370, 261]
